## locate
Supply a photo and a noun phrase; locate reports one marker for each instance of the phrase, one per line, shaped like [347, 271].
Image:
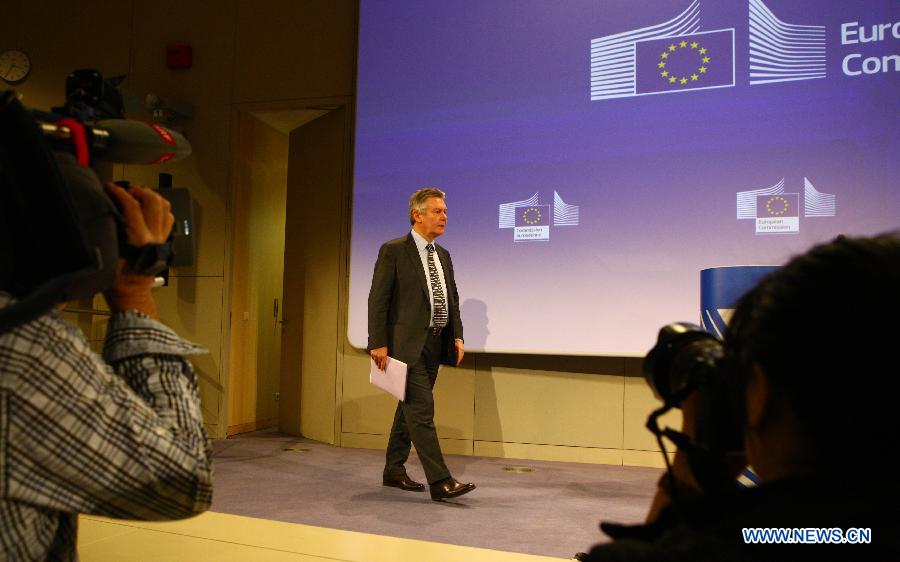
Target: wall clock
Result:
[14, 66]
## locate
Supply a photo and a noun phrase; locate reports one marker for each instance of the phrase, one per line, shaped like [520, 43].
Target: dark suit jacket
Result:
[400, 301]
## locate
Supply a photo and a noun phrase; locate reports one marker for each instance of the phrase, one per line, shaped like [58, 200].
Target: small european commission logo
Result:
[777, 212]
[531, 221]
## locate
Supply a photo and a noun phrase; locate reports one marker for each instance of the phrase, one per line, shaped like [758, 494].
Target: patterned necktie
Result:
[440, 302]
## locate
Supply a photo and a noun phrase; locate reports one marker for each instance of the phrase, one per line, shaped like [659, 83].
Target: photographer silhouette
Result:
[119, 435]
[810, 355]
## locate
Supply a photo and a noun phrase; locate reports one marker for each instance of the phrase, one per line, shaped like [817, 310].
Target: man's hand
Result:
[460, 351]
[148, 220]
[380, 356]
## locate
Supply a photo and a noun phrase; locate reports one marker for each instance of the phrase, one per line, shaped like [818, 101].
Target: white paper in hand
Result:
[391, 379]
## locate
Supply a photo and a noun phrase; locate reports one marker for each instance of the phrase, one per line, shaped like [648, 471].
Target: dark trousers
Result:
[414, 419]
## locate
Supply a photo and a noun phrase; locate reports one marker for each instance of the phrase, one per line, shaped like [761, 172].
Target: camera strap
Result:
[79, 140]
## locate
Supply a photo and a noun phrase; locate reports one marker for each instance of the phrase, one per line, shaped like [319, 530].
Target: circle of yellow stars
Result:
[777, 212]
[683, 80]
[531, 215]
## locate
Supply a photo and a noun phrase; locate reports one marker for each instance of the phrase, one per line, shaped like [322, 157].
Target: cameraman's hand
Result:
[148, 215]
[148, 220]
[681, 470]
[685, 480]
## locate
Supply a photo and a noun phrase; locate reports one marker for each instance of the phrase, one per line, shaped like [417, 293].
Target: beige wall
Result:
[245, 53]
[269, 55]
[521, 407]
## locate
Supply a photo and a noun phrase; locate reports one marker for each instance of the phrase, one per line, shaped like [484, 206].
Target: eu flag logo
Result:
[532, 223]
[778, 214]
[783, 205]
[687, 62]
[533, 215]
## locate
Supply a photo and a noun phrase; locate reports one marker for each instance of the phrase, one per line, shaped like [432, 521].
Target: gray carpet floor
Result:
[552, 511]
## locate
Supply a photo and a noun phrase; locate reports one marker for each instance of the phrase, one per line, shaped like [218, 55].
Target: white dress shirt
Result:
[423, 254]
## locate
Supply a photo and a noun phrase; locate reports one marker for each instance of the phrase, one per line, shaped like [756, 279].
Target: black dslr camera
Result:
[686, 359]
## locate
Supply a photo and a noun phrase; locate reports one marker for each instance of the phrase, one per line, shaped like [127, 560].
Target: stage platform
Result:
[279, 497]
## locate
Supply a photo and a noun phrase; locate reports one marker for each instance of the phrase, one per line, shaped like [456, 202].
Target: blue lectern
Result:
[720, 290]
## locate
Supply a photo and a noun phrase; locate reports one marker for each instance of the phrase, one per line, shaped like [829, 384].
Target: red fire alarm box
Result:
[178, 55]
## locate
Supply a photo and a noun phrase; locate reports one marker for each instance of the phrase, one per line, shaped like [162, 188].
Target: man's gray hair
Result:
[417, 200]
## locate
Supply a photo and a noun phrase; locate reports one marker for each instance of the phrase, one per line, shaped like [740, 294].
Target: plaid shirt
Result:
[120, 436]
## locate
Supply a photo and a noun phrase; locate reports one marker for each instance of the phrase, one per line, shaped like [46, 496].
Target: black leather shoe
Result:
[404, 482]
[449, 488]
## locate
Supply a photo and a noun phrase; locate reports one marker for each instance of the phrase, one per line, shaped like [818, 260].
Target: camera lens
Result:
[683, 352]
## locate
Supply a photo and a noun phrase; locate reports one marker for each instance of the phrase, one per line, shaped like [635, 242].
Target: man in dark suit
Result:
[414, 317]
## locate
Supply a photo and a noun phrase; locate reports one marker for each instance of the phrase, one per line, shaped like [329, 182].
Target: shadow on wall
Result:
[475, 323]
[475, 327]
[371, 414]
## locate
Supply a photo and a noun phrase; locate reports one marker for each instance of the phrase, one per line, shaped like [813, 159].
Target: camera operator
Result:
[810, 353]
[120, 436]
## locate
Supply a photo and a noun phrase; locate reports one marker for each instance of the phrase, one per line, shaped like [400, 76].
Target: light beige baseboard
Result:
[560, 453]
[524, 451]
[232, 430]
[377, 441]
[652, 459]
